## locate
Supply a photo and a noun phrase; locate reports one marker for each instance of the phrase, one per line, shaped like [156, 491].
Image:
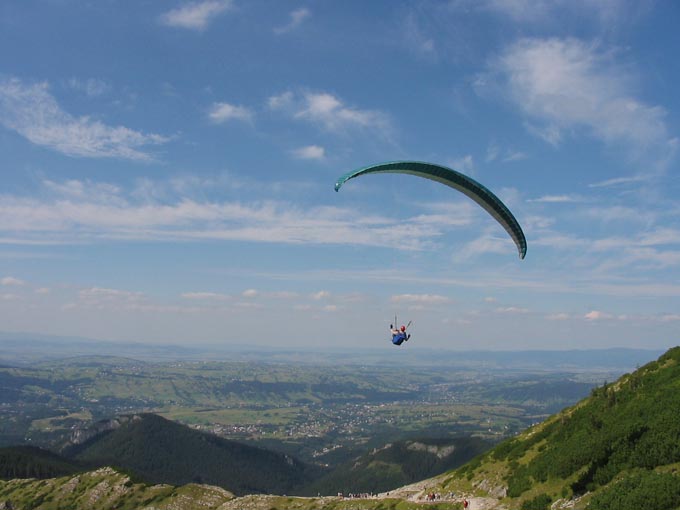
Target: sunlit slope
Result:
[108, 489]
[161, 451]
[616, 449]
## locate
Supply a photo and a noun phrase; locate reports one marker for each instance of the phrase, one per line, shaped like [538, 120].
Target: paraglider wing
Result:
[456, 180]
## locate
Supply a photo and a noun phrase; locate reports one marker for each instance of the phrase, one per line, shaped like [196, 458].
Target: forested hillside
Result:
[162, 451]
[32, 462]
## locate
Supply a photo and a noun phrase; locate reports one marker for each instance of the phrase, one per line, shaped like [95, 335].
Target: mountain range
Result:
[617, 449]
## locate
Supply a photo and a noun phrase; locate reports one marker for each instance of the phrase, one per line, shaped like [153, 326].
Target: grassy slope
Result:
[107, 489]
[628, 430]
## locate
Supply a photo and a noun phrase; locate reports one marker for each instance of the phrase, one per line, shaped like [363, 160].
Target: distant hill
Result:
[397, 464]
[618, 449]
[32, 462]
[17, 348]
[162, 451]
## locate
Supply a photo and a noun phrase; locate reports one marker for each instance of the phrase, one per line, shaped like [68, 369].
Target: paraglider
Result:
[456, 180]
[399, 335]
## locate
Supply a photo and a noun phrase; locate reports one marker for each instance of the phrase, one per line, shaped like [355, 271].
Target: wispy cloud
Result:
[603, 13]
[92, 87]
[220, 113]
[11, 281]
[297, 17]
[31, 111]
[423, 299]
[417, 39]
[484, 245]
[567, 84]
[100, 297]
[25, 220]
[560, 316]
[494, 152]
[310, 152]
[618, 181]
[205, 296]
[322, 294]
[195, 15]
[512, 310]
[465, 164]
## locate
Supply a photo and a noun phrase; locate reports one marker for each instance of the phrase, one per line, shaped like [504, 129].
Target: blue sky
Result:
[168, 171]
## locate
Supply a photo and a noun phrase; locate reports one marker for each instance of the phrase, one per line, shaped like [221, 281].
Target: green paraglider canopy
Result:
[456, 180]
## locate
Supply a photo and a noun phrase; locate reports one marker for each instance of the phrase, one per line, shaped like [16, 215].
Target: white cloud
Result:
[567, 85]
[99, 297]
[222, 112]
[250, 293]
[208, 296]
[595, 315]
[512, 310]
[195, 15]
[555, 199]
[297, 17]
[32, 112]
[11, 281]
[429, 299]
[558, 317]
[330, 112]
[43, 290]
[322, 294]
[310, 152]
[465, 164]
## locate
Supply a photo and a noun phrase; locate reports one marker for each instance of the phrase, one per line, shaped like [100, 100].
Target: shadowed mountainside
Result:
[162, 451]
[32, 462]
[397, 464]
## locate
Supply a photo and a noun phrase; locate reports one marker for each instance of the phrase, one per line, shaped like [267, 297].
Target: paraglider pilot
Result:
[399, 336]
